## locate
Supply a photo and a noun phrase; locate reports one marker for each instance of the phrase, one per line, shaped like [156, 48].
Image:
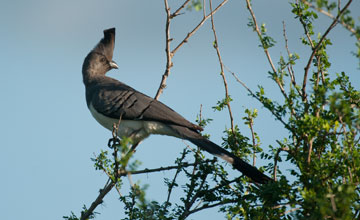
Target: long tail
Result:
[205, 144]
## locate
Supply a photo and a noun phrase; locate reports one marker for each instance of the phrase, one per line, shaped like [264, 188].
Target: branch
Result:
[227, 183]
[310, 150]
[221, 67]
[290, 69]
[206, 206]
[124, 172]
[86, 214]
[332, 25]
[197, 27]
[266, 51]
[289, 211]
[276, 158]
[169, 55]
[177, 12]
[253, 140]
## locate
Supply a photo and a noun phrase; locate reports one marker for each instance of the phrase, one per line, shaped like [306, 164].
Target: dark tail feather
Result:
[205, 144]
[248, 170]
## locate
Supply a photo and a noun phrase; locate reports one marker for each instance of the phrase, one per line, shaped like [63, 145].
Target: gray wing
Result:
[113, 98]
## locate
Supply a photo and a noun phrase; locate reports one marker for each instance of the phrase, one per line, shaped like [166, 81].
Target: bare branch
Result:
[197, 27]
[216, 46]
[169, 55]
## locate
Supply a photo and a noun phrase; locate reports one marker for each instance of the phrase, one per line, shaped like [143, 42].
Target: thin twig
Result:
[108, 174]
[177, 12]
[216, 46]
[339, 5]
[227, 183]
[257, 98]
[204, 9]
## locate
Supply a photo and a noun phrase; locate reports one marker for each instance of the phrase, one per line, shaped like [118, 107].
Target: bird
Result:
[110, 100]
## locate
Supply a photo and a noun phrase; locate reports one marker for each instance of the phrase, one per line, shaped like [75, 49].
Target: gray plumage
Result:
[108, 99]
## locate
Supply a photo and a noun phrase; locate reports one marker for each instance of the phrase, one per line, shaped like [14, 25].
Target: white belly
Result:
[136, 130]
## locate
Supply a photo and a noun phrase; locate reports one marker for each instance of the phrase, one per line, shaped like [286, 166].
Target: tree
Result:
[320, 111]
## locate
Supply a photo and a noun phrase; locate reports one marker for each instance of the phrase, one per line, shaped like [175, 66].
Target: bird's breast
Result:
[137, 130]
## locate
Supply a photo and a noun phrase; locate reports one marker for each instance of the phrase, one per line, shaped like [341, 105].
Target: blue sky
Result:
[47, 133]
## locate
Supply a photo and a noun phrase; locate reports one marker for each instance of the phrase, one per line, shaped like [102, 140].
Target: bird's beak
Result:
[113, 65]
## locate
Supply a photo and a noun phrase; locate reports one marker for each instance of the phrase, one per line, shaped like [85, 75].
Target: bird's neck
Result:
[90, 77]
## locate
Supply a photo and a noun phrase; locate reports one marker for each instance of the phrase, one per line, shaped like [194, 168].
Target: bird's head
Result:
[99, 60]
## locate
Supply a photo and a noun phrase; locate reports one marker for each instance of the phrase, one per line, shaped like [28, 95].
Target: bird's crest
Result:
[107, 44]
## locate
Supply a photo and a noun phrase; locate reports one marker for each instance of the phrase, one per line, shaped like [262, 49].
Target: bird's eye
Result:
[102, 59]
